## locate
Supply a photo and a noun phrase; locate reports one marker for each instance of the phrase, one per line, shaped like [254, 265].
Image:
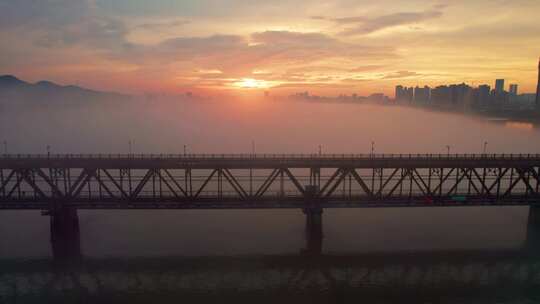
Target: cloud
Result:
[366, 68]
[190, 58]
[99, 33]
[203, 45]
[209, 52]
[43, 13]
[235, 54]
[161, 25]
[94, 41]
[288, 38]
[209, 72]
[62, 23]
[302, 47]
[363, 25]
[401, 74]
[319, 85]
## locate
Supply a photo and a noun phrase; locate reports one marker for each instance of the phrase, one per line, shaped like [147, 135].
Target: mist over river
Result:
[229, 126]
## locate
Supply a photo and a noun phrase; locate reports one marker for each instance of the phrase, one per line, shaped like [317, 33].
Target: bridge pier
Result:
[533, 228]
[314, 224]
[65, 236]
[314, 231]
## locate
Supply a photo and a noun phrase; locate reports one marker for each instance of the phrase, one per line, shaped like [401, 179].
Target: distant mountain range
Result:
[12, 88]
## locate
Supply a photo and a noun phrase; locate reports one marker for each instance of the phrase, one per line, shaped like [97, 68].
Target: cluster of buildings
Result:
[306, 96]
[463, 96]
[497, 100]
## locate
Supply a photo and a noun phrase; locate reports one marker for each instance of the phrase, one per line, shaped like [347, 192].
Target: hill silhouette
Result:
[14, 89]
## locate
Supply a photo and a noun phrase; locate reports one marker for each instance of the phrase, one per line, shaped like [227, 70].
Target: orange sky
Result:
[215, 46]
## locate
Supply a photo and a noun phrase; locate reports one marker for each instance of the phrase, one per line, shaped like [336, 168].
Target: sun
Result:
[250, 83]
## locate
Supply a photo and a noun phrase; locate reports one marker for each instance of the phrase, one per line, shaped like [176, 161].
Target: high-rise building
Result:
[459, 93]
[399, 92]
[409, 94]
[499, 86]
[441, 95]
[483, 94]
[513, 89]
[480, 96]
[421, 95]
[538, 89]
[404, 94]
[484, 90]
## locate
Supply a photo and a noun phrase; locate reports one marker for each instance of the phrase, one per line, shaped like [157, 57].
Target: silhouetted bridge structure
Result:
[61, 184]
[266, 181]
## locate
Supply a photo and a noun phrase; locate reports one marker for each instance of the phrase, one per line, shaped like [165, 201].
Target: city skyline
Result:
[481, 99]
[499, 86]
[208, 48]
[482, 96]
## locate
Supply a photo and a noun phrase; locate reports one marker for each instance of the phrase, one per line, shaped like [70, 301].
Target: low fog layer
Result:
[277, 126]
[230, 126]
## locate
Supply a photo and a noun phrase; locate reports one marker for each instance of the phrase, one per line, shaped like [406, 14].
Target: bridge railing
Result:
[101, 156]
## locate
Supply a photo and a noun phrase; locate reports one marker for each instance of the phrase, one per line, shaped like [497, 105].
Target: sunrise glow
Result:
[250, 83]
[326, 48]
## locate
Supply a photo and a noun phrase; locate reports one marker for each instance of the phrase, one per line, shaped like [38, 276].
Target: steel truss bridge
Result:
[220, 181]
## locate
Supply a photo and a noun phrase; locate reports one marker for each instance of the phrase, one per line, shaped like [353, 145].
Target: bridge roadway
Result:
[102, 181]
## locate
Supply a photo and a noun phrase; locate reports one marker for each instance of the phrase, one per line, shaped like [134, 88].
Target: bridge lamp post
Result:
[5, 147]
[485, 147]
[253, 148]
[129, 147]
[372, 148]
[448, 150]
[185, 150]
[320, 150]
[48, 151]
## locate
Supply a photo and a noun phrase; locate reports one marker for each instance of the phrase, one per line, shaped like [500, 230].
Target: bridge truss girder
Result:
[283, 186]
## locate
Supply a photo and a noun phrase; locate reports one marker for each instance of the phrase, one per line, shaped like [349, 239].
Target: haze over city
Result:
[328, 48]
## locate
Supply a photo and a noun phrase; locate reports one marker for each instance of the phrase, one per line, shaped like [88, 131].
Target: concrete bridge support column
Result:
[533, 228]
[314, 225]
[314, 231]
[65, 236]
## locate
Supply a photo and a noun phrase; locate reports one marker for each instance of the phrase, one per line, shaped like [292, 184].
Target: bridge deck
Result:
[266, 161]
[267, 180]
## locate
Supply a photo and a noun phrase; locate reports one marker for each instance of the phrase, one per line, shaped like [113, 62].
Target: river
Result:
[268, 126]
